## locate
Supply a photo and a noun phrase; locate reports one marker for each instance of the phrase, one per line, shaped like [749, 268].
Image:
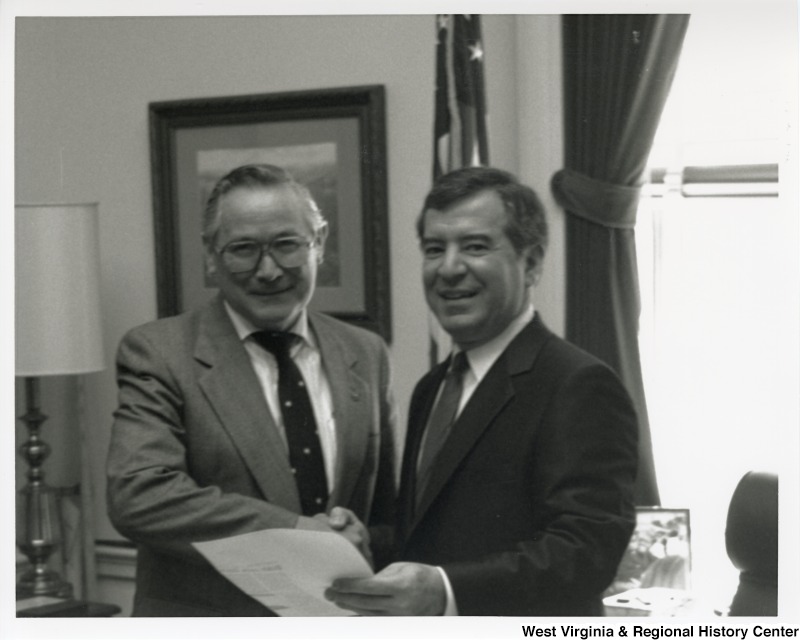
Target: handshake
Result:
[341, 521]
[402, 588]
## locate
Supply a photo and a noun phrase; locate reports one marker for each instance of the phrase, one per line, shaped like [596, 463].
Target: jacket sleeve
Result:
[581, 468]
[155, 494]
[382, 514]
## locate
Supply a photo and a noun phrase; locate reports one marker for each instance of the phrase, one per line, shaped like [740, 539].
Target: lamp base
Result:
[38, 521]
[40, 581]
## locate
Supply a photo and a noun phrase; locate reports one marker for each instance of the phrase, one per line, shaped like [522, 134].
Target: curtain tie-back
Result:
[606, 204]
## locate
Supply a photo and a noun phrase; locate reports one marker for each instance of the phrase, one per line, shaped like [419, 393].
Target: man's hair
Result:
[256, 176]
[527, 224]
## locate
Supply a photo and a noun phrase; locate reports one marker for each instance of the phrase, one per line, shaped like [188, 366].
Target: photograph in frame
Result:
[331, 140]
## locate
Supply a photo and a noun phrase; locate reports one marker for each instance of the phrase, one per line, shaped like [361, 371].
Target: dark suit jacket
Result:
[195, 454]
[529, 508]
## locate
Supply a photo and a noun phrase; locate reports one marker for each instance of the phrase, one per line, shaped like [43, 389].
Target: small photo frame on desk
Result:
[658, 554]
[331, 140]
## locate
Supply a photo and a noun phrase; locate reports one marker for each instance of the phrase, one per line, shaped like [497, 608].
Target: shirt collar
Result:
[483, 357]
[244, 328]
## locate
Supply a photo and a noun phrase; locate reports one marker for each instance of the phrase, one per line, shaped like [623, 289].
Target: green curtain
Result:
[618, 70]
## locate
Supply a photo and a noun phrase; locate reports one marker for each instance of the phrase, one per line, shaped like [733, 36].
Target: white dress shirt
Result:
[480, 360]
[308, 359]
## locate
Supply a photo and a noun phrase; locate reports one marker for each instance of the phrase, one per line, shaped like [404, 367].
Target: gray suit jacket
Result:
[195, 454]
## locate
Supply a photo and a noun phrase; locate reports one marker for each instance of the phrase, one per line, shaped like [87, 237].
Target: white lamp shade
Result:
[57, 292]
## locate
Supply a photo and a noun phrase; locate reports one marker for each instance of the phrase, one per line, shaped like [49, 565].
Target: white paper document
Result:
[287, 570]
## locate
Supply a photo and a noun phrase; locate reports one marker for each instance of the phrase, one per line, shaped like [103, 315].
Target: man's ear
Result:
[210, 260]
[534, 257]
[321, 237]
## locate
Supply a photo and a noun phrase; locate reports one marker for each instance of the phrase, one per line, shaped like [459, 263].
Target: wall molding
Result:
[111, 562]
[116, 562]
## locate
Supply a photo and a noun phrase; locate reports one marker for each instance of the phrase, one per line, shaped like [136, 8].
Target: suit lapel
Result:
[232, 389]
[489, 398]
[492, 394]
[350, 396]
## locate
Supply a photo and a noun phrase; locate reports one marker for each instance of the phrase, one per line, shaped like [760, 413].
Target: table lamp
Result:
[57, 332]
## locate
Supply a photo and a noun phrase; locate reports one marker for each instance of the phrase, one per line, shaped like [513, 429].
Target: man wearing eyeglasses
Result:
[251, 412]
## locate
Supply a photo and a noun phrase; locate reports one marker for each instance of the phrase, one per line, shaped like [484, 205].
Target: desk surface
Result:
[47, 607]
[657, 602]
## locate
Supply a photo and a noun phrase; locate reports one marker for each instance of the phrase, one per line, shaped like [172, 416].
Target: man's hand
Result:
[318, 523]
[401, 589]
[345, 523]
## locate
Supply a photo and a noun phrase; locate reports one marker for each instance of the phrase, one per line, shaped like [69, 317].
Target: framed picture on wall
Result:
[331, 140]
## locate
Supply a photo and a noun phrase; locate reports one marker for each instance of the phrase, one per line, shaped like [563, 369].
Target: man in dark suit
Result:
[526, 508]
[250, 412]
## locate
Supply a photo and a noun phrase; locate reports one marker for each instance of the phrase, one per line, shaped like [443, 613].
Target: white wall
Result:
[82, 91]
[541, 145]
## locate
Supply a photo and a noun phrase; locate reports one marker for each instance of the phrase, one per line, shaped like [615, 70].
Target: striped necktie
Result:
[442, 418]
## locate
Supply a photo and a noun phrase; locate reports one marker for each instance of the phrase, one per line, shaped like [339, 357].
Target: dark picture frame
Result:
[331, 140]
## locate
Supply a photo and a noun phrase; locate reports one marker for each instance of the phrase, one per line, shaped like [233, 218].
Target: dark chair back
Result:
[751, 540]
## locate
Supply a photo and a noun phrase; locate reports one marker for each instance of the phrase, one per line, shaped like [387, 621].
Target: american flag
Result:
[459, 125]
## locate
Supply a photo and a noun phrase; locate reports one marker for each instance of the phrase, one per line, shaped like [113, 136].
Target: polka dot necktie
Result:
[305, 451]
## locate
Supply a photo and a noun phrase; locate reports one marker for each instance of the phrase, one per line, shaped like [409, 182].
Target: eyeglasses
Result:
[242, 256]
